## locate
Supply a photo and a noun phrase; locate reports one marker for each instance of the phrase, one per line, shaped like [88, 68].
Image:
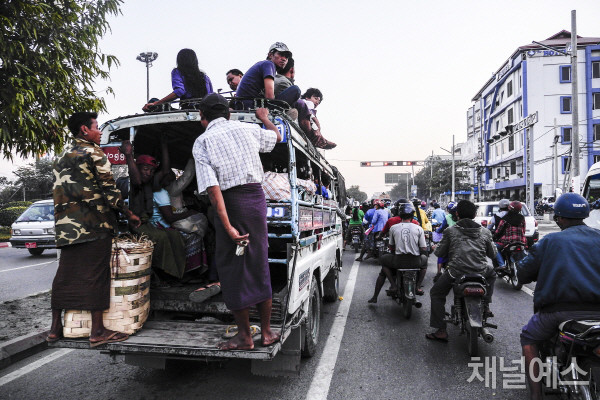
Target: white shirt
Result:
[407, 237]
[227, 153]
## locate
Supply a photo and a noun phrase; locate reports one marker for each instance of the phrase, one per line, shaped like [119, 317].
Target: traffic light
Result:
[365, 163]
[387, 163]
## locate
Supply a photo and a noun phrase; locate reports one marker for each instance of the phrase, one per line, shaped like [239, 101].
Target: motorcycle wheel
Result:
[407, 309]
[356, 247]
[472, 343]
[514, 280]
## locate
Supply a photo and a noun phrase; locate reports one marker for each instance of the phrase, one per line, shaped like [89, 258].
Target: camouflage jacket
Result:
[85, 195]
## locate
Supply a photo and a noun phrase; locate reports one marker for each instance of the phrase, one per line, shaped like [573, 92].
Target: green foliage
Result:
[10, 214]
[37, 178]
[4, 234]
[17, 204]
[49, 60]
[355, 193]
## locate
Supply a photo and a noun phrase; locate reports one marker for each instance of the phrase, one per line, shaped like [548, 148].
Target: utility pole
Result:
[453, 171]
[431, 175]
[147, 58]
[574, 104]
[530, 194]
[555, 161]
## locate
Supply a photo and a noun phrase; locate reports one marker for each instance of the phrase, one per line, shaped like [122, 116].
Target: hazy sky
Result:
[397, 77]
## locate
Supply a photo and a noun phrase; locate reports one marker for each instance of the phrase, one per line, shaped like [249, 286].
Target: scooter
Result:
[572, 361]
[512, 253]
[356, 233]
[468, 310]
[406, 282]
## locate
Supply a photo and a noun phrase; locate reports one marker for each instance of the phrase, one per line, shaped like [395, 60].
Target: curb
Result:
[22, 347]
[4, 245]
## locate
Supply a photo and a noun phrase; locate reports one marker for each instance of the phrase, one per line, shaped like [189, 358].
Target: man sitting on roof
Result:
[307, 118]
[259, 80]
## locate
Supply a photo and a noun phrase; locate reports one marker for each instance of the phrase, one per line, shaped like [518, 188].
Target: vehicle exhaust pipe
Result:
[486, 335]
[418, 304]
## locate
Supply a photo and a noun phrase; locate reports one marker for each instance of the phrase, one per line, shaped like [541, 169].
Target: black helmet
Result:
[397, 204]
[406, 209]
[571, 205]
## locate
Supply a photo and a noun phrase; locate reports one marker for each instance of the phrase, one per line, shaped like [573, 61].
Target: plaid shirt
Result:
[511, 233]
[227, 153]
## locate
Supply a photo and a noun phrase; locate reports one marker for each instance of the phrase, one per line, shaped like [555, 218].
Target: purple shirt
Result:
[178, 84]
[253, 81]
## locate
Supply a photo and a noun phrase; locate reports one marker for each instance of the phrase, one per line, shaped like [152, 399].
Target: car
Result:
[487, 209]
[34, 229]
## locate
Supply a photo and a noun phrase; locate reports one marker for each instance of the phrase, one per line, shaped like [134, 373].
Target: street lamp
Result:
[453, 168]
[147, 58]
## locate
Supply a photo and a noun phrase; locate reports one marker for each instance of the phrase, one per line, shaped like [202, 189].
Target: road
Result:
[22, 274]
[381, 356]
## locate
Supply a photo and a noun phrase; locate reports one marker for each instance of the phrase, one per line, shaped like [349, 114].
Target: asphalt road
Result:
[22, 274]
[381, 356]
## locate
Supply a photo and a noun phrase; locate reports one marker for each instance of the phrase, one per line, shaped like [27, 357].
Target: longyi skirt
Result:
[245, 280]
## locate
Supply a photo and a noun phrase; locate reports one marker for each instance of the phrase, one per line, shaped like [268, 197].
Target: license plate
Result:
[31, 245]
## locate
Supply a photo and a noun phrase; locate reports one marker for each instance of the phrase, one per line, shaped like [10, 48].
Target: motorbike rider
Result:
[467, 246]
[450, 219]
[355, 221]
[511, 229]
[437, 213]
[567, 270]
[421, 215]
[502, 210]
[378, 220]
[407, 242]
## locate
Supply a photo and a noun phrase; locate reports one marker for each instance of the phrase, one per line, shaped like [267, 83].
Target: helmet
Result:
[515, 206]
[503, 204]
[571, 205]
[380, 203]
[423, 204]
[398, 202]
[405, 208]
[451, 206]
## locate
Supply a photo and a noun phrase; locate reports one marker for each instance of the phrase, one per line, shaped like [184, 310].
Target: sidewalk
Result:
[22, 347]
[4, 245]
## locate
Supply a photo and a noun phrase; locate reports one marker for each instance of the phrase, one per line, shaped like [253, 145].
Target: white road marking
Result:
[33, 366]
[319, 387]
[28, 266]
[527, 290]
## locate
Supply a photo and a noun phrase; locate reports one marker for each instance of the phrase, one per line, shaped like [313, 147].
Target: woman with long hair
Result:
[188, 81]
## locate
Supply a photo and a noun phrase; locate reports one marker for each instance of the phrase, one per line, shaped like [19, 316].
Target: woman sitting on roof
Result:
[188, 81]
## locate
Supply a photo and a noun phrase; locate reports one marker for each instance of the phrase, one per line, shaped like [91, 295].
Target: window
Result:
[565, 73]
[565, 104]
[596, 132]
[513, 167]
[565, 132]
[596, 158]
[497, 125]
[566, 164]
[511, 143]
[497, 172]
[509, 89]
[596, 101]
[520, 81]
[497, 152]
[501, 97]
[596, 69]
[510, 116]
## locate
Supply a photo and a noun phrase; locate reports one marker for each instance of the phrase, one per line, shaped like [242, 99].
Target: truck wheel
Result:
[313, 320]
[331, 286]
[36, 252]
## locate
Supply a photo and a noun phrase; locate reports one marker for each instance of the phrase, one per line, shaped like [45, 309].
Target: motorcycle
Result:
[572, 361]
[512, 253]
[468, 310]
[406, 283]
[380, 247]
[357, 234]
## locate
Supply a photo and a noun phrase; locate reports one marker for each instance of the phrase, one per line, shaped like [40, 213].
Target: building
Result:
[534, 79]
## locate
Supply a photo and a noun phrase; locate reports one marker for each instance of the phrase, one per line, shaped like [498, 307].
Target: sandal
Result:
[112, 338]
[432, 336]
[232, 330]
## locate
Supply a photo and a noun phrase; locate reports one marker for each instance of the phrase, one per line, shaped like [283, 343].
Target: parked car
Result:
[487, 209]
[34, 229]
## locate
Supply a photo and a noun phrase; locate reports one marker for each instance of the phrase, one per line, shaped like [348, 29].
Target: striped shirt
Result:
[227, 153]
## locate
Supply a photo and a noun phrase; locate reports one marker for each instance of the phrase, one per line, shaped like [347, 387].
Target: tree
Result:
[355, 193]
[49, 60]
[36, 179]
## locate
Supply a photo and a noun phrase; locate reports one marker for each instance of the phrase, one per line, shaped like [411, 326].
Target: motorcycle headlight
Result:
[15, 232]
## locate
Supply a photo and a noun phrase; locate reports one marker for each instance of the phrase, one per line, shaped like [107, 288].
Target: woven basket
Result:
[129, 291]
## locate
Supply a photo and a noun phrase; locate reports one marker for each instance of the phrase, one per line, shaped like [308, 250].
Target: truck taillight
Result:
[473, 291]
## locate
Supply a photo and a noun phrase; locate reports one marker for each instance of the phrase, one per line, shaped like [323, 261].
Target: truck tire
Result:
[313, 320]
[331, 286]
[36, 252]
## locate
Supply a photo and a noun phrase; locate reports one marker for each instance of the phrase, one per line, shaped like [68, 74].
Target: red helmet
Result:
[515, 206]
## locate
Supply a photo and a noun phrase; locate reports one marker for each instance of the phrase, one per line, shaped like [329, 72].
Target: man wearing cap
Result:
[228, 167]
[259, 80]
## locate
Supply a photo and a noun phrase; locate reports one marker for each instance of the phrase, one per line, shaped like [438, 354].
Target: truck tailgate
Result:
[177, 339]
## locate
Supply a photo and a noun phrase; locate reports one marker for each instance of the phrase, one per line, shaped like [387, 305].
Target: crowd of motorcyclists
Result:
[567, 273]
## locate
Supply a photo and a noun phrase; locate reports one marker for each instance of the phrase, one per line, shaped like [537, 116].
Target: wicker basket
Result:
[129, 291]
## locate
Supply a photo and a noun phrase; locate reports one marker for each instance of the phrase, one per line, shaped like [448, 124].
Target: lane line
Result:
[527, 290]
[28, 266]
[33, 366]
[319, 387]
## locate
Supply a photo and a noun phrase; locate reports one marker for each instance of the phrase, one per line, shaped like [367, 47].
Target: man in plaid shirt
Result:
[510, 229]
[228, 167]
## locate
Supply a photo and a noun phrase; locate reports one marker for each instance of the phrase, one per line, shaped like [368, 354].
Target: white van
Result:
[305, 249]
[34, 229]
[591, 192]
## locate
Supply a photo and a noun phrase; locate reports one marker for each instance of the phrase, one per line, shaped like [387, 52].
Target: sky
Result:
[397, 76]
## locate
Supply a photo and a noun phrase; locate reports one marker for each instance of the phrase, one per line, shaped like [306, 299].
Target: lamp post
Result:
[453, 169]
[147, 58]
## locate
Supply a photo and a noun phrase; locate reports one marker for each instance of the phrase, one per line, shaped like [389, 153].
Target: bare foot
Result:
[237, 343]
[373, 300]
[268, 338]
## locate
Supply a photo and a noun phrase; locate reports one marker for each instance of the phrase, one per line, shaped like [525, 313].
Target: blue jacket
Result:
[380, 217]
[567, 269]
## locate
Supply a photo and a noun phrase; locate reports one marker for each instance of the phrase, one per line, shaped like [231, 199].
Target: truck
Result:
[305, 249]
